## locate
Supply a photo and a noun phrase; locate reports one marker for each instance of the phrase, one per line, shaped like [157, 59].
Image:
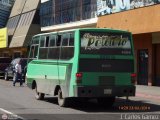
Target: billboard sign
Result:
[105, 7]
[3, 38]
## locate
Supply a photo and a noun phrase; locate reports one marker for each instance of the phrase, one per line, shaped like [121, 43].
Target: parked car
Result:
[10, 70]
[4, 62]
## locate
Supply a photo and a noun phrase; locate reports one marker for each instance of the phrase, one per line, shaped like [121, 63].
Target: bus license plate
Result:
[107, 91]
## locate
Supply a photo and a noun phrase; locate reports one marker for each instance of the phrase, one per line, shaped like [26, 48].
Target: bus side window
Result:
[71, 46]
[43, 50]
[53, 50]
[31, 52]
[35, 40]
[47, 41]
[42, 41]
[71, 40]
[58, 40]
[65, 38]
[52, 41]
[34, 47]
[34, 51]
[67, 48]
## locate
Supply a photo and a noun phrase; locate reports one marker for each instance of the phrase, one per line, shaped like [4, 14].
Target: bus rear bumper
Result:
[104, 91]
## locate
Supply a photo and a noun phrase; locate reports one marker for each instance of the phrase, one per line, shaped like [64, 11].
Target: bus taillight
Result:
[78, 77]
[133, 78]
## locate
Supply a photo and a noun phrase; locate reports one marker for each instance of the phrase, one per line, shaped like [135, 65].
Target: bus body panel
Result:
[75, 64]
[51, 73]
[45, 74]
[105, 79]
[64, 73]
[118, 80]
[104, 91]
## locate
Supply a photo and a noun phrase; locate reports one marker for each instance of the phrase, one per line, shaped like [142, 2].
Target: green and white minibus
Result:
[82, 63]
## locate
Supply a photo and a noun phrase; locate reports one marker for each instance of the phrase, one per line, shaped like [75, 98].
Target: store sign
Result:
[105, 7]
[3, 37]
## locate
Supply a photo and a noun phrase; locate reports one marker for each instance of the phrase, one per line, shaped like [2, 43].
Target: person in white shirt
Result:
[18, 74]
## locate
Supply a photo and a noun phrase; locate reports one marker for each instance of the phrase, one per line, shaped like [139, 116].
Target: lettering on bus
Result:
[90, 42]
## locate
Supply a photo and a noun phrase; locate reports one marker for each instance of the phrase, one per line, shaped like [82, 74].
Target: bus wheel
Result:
[61, 101]
[38, 95]
[106, 101]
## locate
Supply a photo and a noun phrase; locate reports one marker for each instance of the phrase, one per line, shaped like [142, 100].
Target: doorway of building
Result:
[156, 76]
[142, 67]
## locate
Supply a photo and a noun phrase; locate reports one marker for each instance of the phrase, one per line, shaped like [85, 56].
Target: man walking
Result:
[18, 74]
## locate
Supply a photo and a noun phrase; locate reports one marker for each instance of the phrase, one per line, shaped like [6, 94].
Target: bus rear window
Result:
[105, 43]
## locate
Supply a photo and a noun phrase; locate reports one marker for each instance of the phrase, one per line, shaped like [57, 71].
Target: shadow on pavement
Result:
[120, 106]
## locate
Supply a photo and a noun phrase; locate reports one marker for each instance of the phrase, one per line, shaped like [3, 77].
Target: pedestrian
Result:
[18, 73]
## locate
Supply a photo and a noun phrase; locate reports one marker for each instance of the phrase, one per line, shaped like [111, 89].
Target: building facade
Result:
[23, 23]
[67, 14]
[5, 9]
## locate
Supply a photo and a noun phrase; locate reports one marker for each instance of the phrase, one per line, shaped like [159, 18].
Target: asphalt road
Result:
[19, 103]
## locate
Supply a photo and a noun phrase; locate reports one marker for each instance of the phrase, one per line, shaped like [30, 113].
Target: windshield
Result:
[105, 43]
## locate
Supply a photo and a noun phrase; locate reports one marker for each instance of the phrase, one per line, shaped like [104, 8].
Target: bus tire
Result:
[106, 101]
[61, 101]
[38, 95]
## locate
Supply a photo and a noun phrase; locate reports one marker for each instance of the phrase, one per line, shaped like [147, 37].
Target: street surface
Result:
[19, 103]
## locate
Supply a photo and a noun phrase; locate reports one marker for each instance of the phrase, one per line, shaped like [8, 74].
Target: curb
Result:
[144, 95]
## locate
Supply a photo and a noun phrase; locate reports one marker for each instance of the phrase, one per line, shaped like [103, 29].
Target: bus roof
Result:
[105, 29]
[92, 29]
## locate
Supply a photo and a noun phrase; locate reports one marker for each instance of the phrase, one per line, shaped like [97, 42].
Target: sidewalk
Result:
[152, 92]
